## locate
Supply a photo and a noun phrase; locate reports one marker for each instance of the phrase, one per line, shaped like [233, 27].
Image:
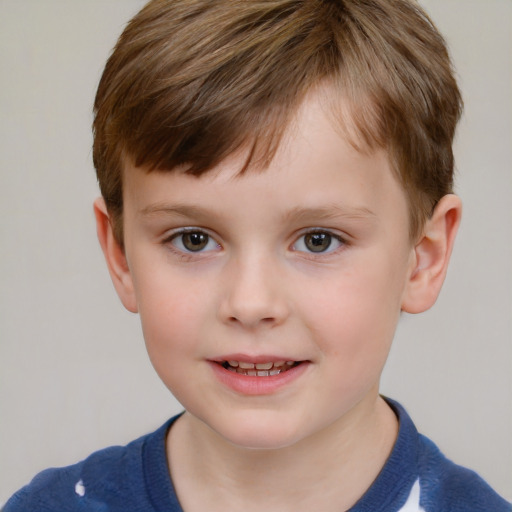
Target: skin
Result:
[258, 292]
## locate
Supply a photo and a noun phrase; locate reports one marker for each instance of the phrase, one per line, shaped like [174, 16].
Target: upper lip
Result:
[260, 358]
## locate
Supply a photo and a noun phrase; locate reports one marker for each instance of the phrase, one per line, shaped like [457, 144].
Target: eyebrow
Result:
[329, 211]
[180, 210]
[297, 214]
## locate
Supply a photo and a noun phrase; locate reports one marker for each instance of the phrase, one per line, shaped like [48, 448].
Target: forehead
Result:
[315, 164]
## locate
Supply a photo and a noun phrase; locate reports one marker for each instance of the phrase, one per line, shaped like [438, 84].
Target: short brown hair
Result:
[191, 81]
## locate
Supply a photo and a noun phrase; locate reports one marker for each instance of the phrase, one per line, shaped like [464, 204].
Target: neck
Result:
[332, 468]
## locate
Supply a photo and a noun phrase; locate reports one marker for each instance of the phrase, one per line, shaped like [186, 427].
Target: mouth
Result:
[266, 369]
[258, 375]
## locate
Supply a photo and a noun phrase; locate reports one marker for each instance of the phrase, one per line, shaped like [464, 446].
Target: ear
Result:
[432, 255]
[115, 257]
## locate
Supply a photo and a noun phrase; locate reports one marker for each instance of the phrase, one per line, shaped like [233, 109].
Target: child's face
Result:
[307, 261]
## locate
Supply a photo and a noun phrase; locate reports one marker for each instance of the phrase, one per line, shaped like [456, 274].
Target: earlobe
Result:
[432, 255]
[115, 257]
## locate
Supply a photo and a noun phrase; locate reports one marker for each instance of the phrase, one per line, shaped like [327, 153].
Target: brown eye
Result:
[194, 241]
[317, 242]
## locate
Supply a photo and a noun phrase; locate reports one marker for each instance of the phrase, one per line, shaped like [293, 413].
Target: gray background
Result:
[74, 375]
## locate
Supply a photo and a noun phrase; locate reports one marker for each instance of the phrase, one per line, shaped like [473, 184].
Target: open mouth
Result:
[259, 369]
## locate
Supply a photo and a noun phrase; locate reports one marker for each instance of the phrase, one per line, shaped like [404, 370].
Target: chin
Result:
[259, 434]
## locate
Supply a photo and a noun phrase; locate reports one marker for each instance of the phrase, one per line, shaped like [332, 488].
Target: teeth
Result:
[258, 369]
[264, 366]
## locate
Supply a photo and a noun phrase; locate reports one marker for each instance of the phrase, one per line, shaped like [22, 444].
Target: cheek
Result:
[172, 312]
[172, 334]
[354, 317]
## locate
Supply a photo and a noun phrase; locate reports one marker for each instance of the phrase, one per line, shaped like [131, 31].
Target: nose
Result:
[254, 294]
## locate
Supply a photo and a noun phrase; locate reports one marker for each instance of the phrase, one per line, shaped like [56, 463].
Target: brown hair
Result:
[191, 81]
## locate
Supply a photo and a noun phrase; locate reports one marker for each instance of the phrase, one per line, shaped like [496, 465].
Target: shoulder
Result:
[88, 485]
[448, 486]
[107, 480]
[429, 480]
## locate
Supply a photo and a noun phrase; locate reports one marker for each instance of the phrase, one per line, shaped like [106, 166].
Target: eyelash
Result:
[185, 253]
[333, 238]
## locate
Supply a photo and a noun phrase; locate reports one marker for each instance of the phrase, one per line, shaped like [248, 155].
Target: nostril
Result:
[243, 308]
[249, 322]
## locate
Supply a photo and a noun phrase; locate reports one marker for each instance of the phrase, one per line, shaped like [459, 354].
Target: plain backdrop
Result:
[74, 375]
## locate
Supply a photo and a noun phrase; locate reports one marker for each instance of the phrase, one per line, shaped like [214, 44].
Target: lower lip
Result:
[250, 385]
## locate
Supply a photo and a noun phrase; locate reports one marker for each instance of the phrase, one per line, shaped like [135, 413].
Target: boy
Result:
[276, 181]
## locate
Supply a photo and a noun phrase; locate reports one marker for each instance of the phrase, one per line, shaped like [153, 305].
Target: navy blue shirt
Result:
[415, 478]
